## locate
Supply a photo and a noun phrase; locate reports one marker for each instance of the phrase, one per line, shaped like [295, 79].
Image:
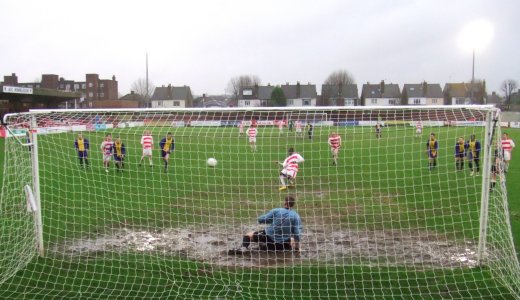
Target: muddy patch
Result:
[371, 248]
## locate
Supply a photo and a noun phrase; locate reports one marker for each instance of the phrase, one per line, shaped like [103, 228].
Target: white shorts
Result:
[147, 152]
[289, 173]
[507, 155]
[107, 157]
[334, 151]
[298, 130]
[418, 131]
[252, 140]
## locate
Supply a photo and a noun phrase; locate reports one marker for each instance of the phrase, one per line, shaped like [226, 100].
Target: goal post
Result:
[409, 205]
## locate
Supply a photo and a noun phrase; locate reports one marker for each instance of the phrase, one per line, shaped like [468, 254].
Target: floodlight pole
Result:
[38, 224]
[473, 77]
[147, 91]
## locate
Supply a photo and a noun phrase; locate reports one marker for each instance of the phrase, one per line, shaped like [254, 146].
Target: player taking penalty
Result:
[106, 148]
[252, 132]
[147, 144]
[167, 145]
[335, 144]
[289, 169]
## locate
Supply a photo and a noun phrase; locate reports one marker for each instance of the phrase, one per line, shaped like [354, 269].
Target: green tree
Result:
[278, 97]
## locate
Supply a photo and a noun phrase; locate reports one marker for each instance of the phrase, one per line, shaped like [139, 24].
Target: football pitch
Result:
[380, 187]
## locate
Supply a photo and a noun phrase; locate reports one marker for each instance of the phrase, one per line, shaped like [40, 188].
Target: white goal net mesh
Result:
[385, 219]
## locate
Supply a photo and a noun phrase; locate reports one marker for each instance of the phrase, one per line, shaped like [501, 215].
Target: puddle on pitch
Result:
[371, 248]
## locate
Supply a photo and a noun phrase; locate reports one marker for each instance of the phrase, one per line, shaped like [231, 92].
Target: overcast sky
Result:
[204, 43]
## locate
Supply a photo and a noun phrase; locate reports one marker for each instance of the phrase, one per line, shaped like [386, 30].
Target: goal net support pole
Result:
[486, 170]
[36, 186]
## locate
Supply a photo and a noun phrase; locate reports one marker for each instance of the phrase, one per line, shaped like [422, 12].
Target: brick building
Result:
[93, 88]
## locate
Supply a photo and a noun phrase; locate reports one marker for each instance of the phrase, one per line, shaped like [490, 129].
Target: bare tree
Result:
[139, 87]
[508, 86]
[236, 83]
[340, 77]
[335, 82]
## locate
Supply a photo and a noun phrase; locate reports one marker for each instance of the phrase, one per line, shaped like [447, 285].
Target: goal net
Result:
[395, 215]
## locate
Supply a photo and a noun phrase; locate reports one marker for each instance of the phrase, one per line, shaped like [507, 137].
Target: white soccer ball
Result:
[212, 162]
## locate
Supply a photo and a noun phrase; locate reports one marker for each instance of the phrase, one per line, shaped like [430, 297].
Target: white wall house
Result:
[299, 95]
[301, 102]
[255, 96]
[382, 94]
[423, 94]
[171, 97]
[383, 101]
[167, 103]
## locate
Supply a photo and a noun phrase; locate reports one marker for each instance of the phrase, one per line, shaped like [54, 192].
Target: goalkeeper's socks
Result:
[246, 241]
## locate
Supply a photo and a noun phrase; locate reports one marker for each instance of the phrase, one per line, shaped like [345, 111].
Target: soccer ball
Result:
[212, 162]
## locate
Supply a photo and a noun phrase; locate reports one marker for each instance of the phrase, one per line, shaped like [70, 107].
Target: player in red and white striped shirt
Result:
[107, 149]
[280, 126]
[507, 147]
[252, 132]
[299, 128]
[418, 129]
[290, 169]
[335, 144]
[147, 143]
[241, 128]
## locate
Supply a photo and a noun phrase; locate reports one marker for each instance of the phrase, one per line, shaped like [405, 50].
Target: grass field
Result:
[380, 186]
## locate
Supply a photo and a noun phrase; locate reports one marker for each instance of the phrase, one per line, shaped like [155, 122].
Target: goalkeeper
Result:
[282, 234]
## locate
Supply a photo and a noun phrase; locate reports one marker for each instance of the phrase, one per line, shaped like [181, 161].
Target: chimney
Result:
[132, 92]
[268, 84]
[62, 79]
[298, 93]
[382, 87]
[114, 77]
[170, 93]
[424, 87]
[483, 87]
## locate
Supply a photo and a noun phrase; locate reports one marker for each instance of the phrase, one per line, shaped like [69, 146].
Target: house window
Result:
[76, 87]
[416, 101]
[176, 103]
[434, 101]
[247, 103]
[159, 103]
[67, 87]
[290, 102]
[349, 102]
[90, 104]
[393, 101]
[90, 84]
[264, 102]
[333, 102]
[459, 101]
[101, 95]
[306, 102]
[374, 101]
[38, 86]
[83, 86]
[30, 85]
[91, 94]
[101, 85]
